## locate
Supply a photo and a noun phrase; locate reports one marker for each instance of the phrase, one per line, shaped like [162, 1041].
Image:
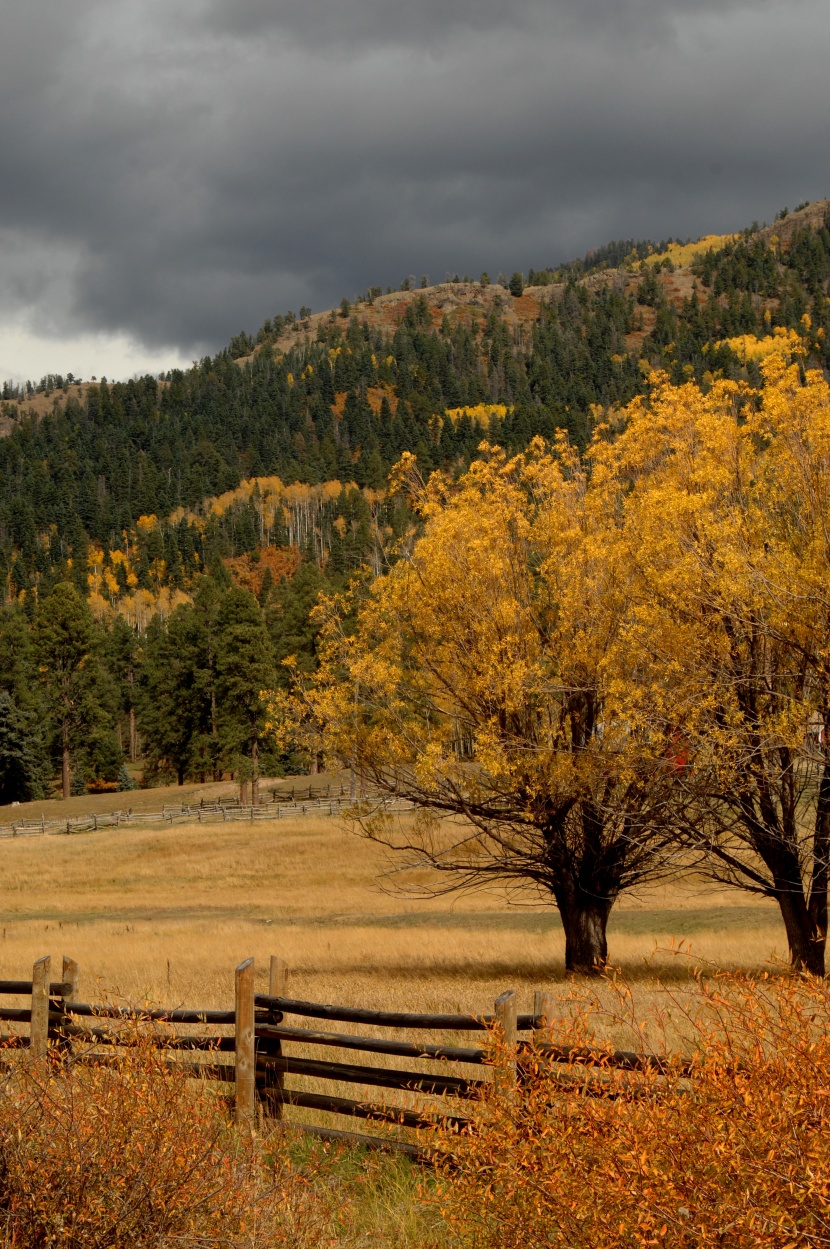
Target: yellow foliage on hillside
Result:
[290, 517]
[271, 494]
[137, 609]
[481, 412]
[748, 347]
[684, 253]
[280, 561]
[375, 396]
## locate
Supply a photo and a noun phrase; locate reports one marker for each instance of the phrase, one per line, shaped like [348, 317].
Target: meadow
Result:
[164, 914]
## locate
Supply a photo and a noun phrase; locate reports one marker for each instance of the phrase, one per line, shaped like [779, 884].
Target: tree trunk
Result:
[133, 736]
[66, 778]
[805, 940]
[243, 793]
[805, 925]
[585, 920]
[180, 776]
[255, 774]
[821, 848]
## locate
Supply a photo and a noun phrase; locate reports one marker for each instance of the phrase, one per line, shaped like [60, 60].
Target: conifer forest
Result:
[164, 541]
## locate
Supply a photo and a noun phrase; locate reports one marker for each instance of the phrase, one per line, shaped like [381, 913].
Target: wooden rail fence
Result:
[265, 1050]
[306, 800]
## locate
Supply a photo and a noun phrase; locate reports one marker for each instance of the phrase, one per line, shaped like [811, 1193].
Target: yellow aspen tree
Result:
[726, 497]
[482, 680]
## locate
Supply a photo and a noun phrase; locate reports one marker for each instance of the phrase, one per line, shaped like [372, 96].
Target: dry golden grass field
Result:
[164, 914]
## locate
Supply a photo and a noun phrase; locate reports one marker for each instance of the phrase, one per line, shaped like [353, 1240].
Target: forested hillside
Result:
[267, 465]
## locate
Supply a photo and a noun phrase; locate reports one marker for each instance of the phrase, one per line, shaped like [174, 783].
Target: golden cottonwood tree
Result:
[484, 681]
[727, 508]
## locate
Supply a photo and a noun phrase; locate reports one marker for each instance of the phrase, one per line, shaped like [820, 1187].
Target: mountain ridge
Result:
[115, 485]
[386, 310]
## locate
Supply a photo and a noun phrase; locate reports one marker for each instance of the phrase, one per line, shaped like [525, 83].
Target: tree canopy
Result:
[487, 680]
[727, 497]
[610, 673]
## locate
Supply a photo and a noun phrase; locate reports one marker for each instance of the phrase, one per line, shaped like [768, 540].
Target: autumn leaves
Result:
[612, 669]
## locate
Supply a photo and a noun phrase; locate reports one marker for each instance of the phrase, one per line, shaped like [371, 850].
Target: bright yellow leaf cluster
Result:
[481, 412]
[627, 660]
[748, 347]
[685, 253]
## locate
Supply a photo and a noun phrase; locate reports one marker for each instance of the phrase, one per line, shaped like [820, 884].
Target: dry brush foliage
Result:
[724, 1146]
[134, 1154]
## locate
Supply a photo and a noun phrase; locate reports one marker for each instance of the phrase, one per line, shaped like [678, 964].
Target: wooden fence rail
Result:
[258, 1034]
[228, 810]
[388, 1019]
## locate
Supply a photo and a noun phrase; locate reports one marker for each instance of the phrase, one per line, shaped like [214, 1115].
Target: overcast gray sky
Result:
[177, 170]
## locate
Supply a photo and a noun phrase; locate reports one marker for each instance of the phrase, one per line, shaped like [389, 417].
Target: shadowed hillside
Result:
[285, 439]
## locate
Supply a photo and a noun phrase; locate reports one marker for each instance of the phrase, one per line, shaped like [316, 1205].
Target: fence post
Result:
[71, 973]
[505, 1010]
[245, 1054]
[543, 1012]
[39, 1027]
[277, 978]
[274, 1081]
[59, 1029]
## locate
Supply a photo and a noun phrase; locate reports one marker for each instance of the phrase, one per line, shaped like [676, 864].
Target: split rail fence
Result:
[268, 1052]
[306, 800]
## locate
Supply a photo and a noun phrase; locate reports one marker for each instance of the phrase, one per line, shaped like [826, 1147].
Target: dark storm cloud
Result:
[179, 169]
[433, 23]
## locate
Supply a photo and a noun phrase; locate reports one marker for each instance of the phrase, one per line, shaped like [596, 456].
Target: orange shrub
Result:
[132, 1155]
[727, 1146]
[98, 786]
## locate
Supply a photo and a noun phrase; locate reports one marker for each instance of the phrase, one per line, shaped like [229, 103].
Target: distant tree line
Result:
[108, 494]
[88, 471]
[80, 698]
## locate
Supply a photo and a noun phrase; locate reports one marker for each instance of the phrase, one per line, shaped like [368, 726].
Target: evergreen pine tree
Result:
[245, 670]
[121, 655]
[63, 636]
[170, 704]
[24, 765]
